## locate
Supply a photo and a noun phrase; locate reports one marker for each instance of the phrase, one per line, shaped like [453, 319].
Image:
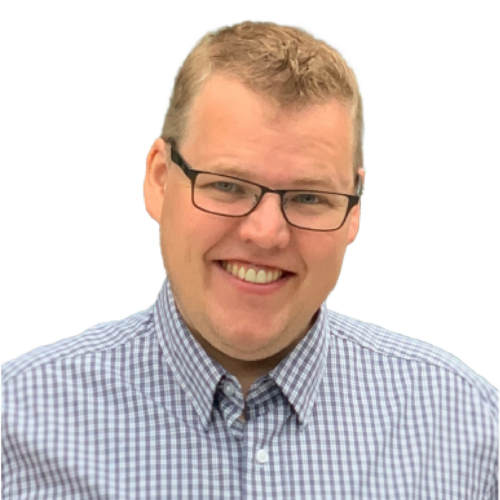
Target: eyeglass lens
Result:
[308, 209]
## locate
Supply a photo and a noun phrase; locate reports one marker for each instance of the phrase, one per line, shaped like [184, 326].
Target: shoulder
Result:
[98, 339]
[416, 354]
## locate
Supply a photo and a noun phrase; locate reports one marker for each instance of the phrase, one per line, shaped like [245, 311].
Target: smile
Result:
[252, 273]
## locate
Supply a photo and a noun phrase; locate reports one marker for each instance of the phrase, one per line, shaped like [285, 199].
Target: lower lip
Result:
[253, 288]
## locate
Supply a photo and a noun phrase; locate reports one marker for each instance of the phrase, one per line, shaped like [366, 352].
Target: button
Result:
[262, 457]
[228, 389]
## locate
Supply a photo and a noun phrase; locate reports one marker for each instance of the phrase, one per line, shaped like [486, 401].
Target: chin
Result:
[246, 336]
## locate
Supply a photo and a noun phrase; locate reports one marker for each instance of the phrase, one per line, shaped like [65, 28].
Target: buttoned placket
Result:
[261, 443]
[231, 405]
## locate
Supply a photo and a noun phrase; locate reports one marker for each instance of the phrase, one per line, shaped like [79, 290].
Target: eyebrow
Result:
[325, 182]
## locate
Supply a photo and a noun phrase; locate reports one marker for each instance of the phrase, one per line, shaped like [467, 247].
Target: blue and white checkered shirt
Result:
[136, 409]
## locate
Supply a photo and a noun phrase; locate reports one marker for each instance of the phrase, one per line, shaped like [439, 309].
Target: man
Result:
[237, 382]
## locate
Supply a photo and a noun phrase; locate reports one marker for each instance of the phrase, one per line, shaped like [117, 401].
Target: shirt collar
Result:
[298, 375]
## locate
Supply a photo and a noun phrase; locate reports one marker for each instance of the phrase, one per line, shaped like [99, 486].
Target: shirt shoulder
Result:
[99, 338]
[394, 345]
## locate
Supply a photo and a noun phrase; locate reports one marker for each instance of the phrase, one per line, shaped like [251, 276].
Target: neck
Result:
[247, 372]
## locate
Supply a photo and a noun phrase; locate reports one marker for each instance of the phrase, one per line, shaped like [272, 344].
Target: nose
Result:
[266, 226]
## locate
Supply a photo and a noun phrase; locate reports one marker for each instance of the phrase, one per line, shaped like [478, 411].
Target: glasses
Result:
[230, 196]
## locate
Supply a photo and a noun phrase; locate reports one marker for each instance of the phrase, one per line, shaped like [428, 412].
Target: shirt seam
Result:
[426, 363]
[95, 351]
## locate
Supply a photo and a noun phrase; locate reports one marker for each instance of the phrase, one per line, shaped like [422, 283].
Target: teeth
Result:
[251, 275]
[261, 276]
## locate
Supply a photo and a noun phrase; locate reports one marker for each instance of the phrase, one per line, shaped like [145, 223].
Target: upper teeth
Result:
[251, 273]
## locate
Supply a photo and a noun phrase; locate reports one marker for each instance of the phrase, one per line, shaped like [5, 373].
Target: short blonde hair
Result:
[283, 63]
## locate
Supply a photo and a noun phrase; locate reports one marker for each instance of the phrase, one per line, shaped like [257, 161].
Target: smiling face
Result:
[233, 130]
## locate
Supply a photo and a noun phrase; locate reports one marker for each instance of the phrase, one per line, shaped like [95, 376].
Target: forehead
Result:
[230, 123]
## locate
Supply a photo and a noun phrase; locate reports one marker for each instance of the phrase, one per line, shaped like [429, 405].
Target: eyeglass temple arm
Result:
[359, 190]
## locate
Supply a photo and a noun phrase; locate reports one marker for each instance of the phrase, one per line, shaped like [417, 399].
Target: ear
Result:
[156, 178]
[355, 214]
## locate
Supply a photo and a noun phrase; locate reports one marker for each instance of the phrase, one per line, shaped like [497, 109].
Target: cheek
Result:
[187, 234]
[175, 233]
[323, 257]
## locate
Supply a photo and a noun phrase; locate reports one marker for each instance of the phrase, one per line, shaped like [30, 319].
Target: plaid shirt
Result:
[135, 409]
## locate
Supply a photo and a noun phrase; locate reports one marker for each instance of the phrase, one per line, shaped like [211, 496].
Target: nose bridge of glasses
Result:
[264, 190]
[277, 195]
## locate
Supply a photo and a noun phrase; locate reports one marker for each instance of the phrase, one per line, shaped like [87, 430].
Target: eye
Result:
[220, 186]
[309, 199]
[226, 187]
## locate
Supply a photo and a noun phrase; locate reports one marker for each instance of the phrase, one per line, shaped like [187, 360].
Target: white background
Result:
[85, 86]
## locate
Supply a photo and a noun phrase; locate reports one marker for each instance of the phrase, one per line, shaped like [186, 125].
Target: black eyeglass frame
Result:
[191, 174]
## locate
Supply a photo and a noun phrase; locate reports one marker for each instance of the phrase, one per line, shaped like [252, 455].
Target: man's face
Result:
[232, 127]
